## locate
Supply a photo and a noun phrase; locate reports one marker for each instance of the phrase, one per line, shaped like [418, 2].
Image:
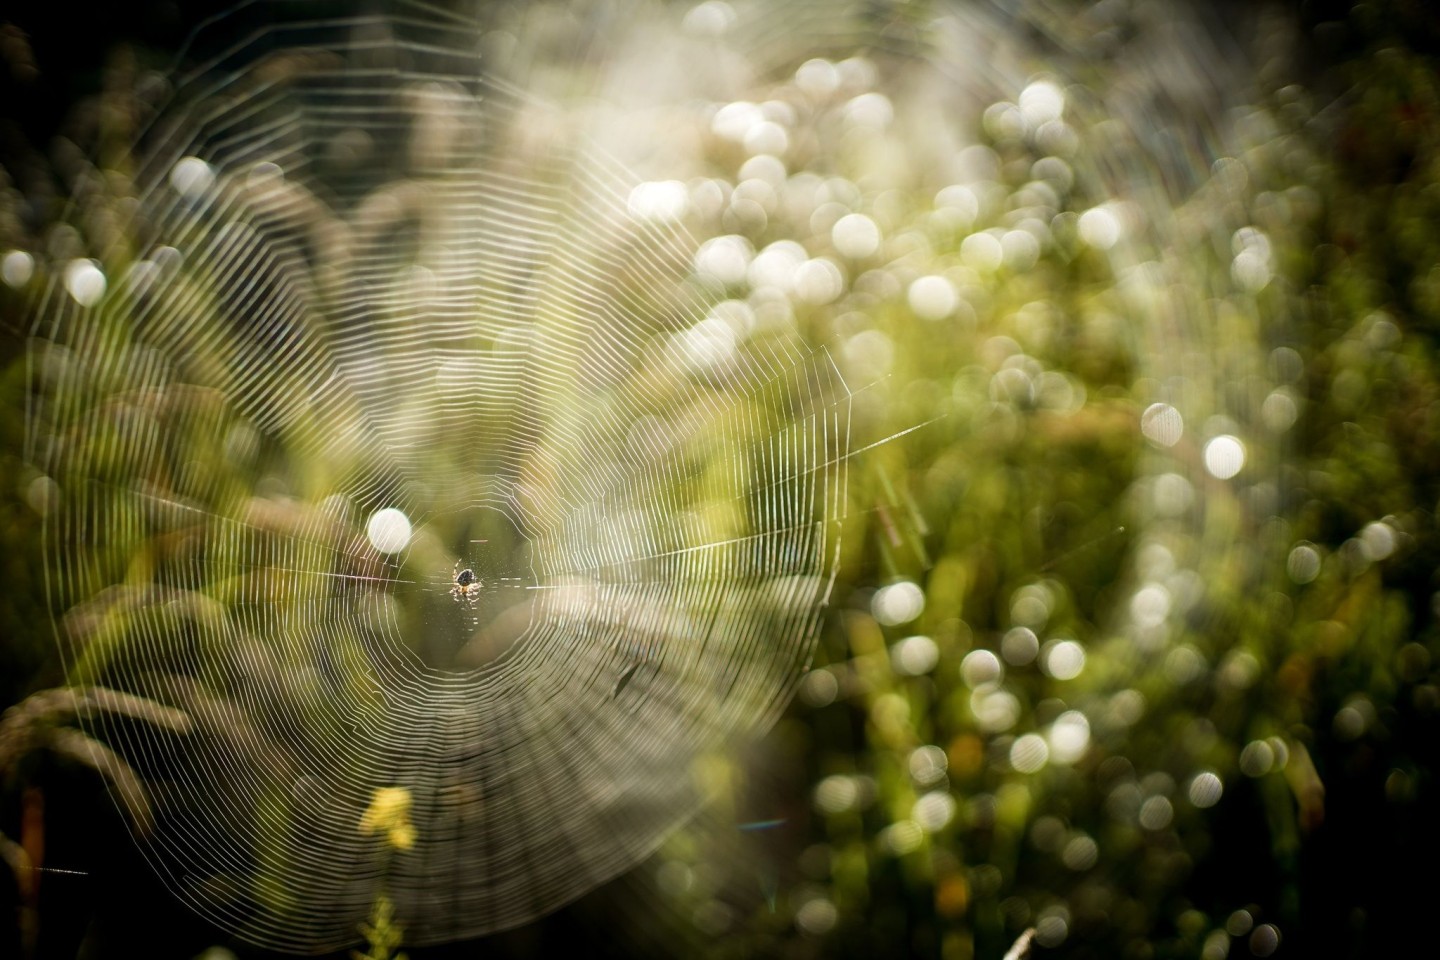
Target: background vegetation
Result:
[1245, 763]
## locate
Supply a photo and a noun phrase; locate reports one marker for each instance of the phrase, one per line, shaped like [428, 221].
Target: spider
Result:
[465, 585]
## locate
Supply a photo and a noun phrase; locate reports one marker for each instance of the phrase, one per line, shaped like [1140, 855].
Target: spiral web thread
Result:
[368, 277]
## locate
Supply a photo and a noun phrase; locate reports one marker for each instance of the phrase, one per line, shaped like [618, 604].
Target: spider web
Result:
[381, 320]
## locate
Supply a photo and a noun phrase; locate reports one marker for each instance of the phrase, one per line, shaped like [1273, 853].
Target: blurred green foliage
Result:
[1259, 689]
